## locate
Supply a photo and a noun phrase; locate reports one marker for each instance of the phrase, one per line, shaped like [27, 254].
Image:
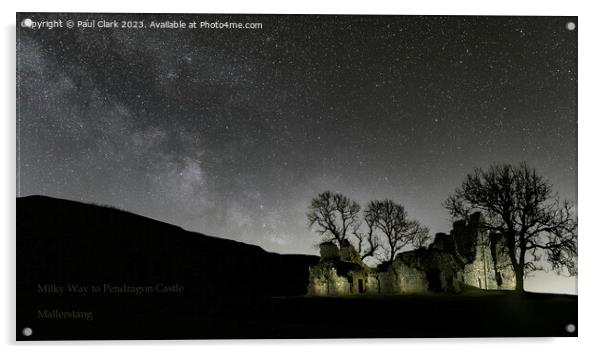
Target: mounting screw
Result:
[570, 328]
[571, 25]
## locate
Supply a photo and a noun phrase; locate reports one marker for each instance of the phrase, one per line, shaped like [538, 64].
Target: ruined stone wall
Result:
[480, 273]
[401, 278]
[317, 287]
[340, 271]
[486, 265]
[438, 263]
[372, 283]
[324, 281]
[348, 253]
[449, 272]
[467, 256]
[338, 285]
[328, 251]
[504, 269]
[491, 268]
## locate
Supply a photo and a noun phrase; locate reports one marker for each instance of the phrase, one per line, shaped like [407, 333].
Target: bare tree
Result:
[391, 219]
[368, 242]
[334, 216]
[520, 205]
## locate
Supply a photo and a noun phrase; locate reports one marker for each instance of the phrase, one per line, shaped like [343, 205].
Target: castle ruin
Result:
[468, 256]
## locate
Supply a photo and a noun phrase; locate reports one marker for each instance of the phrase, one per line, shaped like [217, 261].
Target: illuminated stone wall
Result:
[373, 283]
[480, 273]
[402, 279]
[504, 269]
[324, 281]
[491, 268]
[467, 256]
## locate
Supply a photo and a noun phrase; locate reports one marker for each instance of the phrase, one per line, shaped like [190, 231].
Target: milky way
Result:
[231, 132]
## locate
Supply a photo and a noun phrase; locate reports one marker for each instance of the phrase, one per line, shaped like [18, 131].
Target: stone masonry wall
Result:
[324, 281]
[401, 278]
[491, 268]
[468, 255]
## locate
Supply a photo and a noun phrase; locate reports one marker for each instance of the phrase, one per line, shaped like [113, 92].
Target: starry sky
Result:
[231, 132]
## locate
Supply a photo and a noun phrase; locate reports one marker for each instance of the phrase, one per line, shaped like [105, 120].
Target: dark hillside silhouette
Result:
[65, 242]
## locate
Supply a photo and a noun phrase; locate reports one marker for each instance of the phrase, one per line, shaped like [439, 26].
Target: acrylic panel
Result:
[205, 176]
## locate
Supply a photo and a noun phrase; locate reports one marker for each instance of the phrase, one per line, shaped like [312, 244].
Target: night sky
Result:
[232, 132]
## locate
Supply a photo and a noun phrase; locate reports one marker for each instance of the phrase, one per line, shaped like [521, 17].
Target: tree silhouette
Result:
[334, 215]
[391, 219]
[368, 242]
[520, 205]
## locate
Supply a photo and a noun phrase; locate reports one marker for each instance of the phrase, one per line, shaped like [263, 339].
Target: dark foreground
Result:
[477, 314]
[228, 290]
[474, 315]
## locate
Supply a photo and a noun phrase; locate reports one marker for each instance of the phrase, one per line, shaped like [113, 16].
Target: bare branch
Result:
[519, 204]
[333, 216]
[391, 219]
